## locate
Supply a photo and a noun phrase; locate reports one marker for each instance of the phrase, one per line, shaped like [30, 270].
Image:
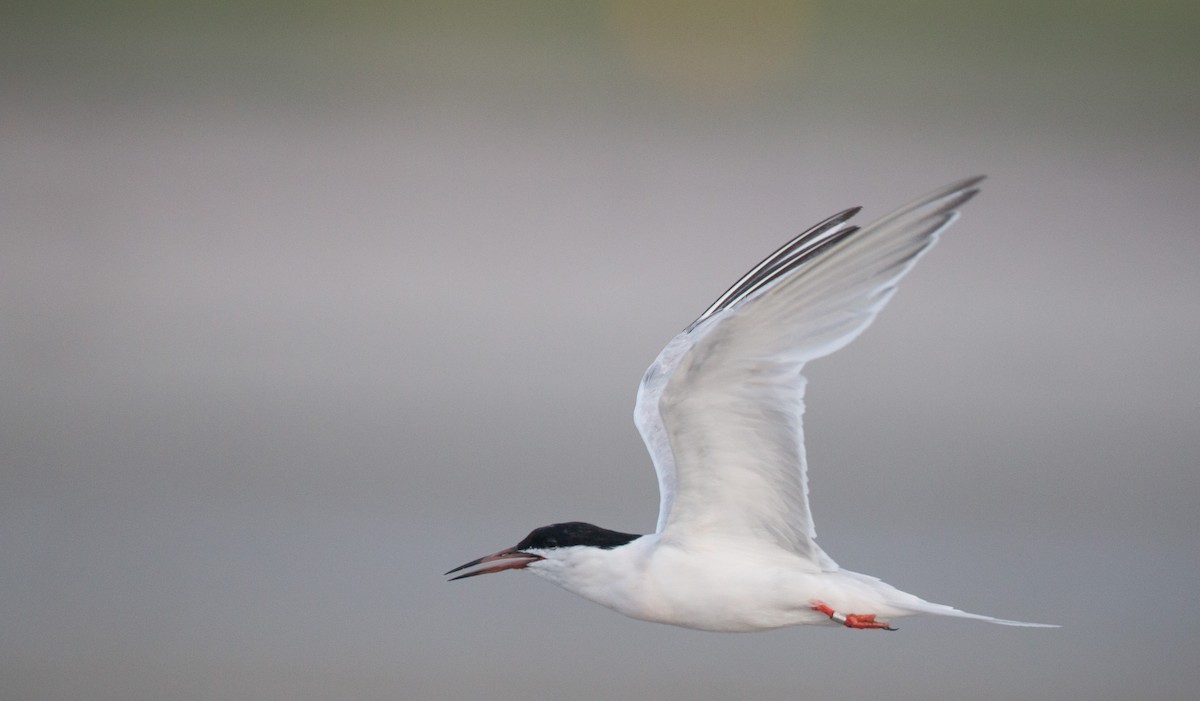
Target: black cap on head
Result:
[564, 535]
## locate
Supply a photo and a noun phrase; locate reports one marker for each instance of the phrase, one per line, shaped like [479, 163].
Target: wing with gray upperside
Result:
[720, 408]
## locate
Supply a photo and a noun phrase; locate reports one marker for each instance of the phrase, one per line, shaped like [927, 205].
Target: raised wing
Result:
[720, 408]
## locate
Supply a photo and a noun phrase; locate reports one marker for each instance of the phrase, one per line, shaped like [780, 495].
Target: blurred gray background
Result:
[305, 303]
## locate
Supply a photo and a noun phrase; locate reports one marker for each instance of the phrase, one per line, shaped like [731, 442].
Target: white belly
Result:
[716, 586]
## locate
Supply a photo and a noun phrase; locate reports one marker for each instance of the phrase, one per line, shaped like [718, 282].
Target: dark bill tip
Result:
[510, 559]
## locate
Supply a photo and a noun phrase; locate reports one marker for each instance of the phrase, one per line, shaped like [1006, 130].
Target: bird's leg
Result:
[851, 620]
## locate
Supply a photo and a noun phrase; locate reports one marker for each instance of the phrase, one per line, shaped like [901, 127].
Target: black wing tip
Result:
[947, 199]
[959, 197]
[967, 187]
[965, 183]
[845, 214]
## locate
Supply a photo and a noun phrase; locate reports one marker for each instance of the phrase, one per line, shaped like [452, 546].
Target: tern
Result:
[720, 412]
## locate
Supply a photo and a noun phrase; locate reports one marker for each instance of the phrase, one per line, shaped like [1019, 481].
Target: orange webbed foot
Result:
[861, 621]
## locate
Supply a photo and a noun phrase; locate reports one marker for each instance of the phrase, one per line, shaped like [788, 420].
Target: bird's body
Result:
[720, 411]
[715, 586]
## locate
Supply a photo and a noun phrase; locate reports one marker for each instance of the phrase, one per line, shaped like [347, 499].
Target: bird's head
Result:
[546, 543]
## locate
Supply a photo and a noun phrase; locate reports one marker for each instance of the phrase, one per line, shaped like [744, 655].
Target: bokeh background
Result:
[305, 303]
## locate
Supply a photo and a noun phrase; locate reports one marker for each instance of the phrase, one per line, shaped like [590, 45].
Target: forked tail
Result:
[921, 606]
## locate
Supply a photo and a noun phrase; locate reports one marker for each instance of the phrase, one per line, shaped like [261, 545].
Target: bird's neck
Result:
[607, 576]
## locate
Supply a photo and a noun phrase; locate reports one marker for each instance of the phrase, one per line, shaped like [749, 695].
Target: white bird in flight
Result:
[720, 412]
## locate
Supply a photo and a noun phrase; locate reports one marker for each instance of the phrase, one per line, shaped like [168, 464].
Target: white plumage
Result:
[720, 411]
